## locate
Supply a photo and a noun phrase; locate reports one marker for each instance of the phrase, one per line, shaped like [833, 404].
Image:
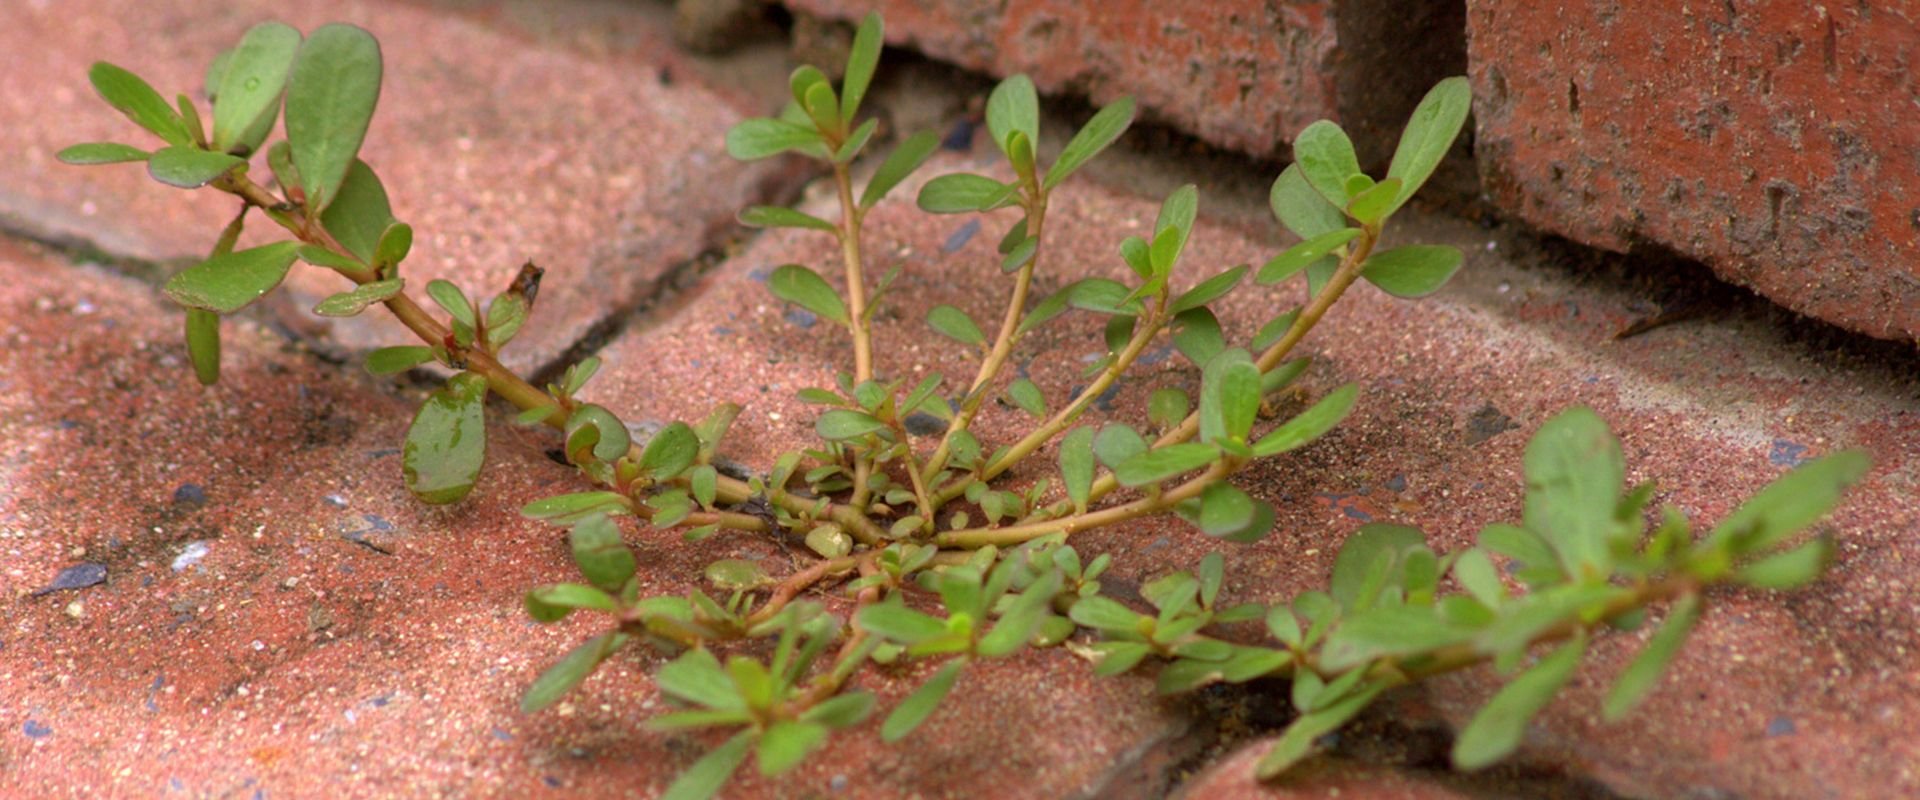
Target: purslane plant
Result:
[931, 552]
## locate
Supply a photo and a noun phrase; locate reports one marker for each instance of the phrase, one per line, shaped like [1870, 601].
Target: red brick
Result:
[1241, 74]
[1775, 141]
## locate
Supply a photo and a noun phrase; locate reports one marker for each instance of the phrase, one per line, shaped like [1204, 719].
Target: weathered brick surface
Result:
[1775, 141]
[1242, 74]
[497, 143]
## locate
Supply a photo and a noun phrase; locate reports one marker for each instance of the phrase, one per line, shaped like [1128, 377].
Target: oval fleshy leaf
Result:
[190, 167]
[254, 73]
[203, 345]
[348, 304]
[135, 98]
[225, 284]
[447, 442]
[331, 94]
[804, 287]
[101, 153]
[1416, 270]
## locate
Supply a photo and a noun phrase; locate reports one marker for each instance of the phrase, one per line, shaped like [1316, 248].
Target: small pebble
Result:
[78, 576]
[190, 556]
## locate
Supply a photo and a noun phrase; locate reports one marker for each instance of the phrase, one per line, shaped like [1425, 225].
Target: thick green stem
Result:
[1343, 277]
[974, 538]
[1038, 438]
[1002, 344]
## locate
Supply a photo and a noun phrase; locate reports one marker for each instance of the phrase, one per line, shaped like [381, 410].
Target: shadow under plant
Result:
[942, 546]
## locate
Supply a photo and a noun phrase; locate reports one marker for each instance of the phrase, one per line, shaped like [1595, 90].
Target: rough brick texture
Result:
[1775, 141]
[1242, 74]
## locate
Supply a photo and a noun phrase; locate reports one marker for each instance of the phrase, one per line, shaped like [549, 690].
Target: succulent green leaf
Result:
[1229, 397]
[1415, 270]
[805, 288]
[1326, 159]
[393, 246]
[956, 325]
[250, 85]
[1385, 632]
[203, 345]
[347, 304]
[1297, 741]
[610, 438]
[1311, 424]
[1282, 376]
[389, 360]
[358, 214]
[1196, 334]
[782, 217]
[1054, 305]
[452, 300]
[1476, 573]
[822, 106]
[1498, 728]
[1300, 208]
[1299, 256]
[1430, 132]
[840, 711]
[1575, 474]
[761, 137]
[862, 58]
[900, 624]
[1369, 561]
[135, 98]
[841, 424]
[101, 153]
[961, 192]
[1102, 296]
[671, 451]
[575, 506]
[1208, 290]
[1789, 504]
[905, 158]
[227, 283]
[1013, 106]
[189, 167]
[1644, 673]
[1021, 254]
[447, 442]
[1225, 510]
[737, 575]
[704, 779]
[331, 93]
[1158, 465]
[554, 602]
[856, 142]
[1116, 443]
[1791, 569]
[1167, 406]
[1077, 467]
[1372, 204]
[696, 677]
[1025, 394]
[1101, 131]
[1105, 614]
[785, 744]
[506, 313]
[322, 257]
[918, 706]
[570, 671]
